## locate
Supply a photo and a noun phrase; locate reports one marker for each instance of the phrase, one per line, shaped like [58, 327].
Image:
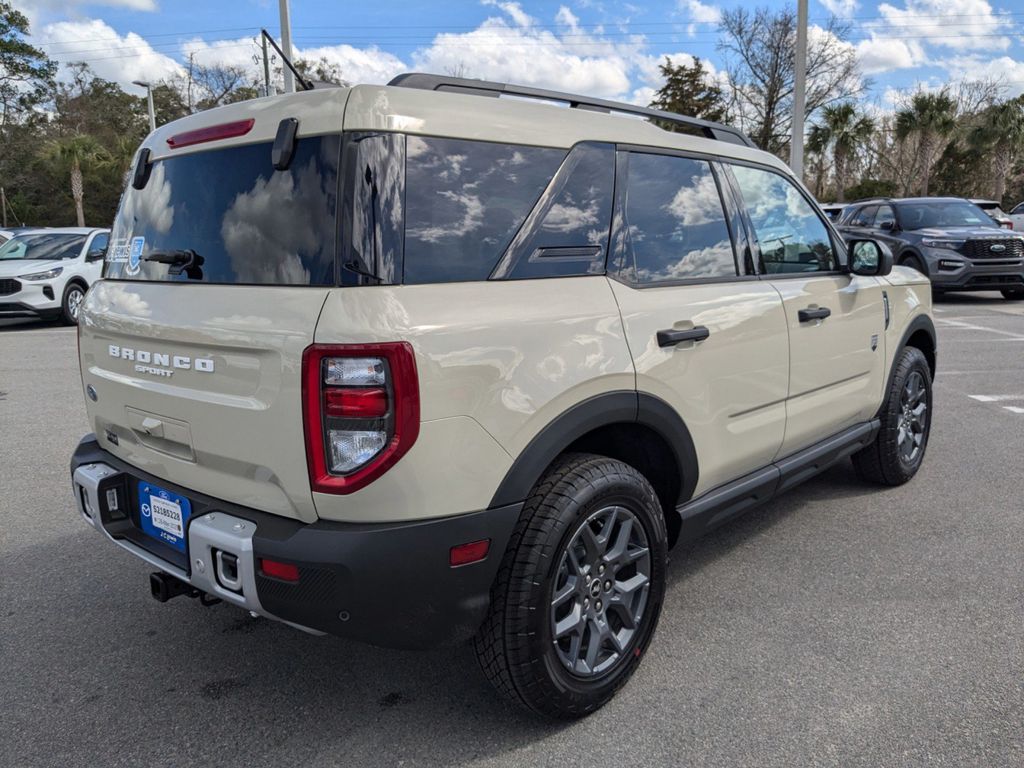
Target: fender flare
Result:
[911, 251]
[919, 323]
[618, 407]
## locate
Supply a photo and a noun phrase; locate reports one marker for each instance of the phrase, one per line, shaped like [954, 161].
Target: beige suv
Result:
[423, 362]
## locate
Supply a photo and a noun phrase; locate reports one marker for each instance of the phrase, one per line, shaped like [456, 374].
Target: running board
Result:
[725, 502]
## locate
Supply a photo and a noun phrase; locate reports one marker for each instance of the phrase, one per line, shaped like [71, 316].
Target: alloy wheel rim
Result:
[74, 303]
[600, 591]
[912, 423]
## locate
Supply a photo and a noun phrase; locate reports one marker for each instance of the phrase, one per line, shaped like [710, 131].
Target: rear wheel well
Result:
[923, 341]
[646, 451]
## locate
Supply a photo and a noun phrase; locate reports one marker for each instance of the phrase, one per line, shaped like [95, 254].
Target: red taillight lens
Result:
[473, 552]
[361, 408]
[212, 133]
[278, 570]
[356, 403]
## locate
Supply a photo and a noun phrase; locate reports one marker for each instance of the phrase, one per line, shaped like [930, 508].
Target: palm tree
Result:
[932, 118]
[843, 129]
[1000, 135]
[817, 145]
[72, 154]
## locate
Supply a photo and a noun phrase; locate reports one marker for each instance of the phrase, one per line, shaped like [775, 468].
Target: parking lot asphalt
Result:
[841, 624]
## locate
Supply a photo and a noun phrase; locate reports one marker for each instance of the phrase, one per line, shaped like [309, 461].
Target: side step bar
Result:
[722, 504]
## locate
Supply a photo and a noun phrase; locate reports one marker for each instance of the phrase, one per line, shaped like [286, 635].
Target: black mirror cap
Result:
[142, 168]
[887, 225]
[97, 254]
[880, 269]
[284, 143]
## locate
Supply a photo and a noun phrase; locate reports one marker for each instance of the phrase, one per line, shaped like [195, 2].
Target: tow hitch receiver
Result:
[164, 586]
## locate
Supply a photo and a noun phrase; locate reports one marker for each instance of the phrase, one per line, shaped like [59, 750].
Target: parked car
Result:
[1017, 217]
[429, 364]
[833, 210]
[951, 240]
[44, 273]
[995, 211]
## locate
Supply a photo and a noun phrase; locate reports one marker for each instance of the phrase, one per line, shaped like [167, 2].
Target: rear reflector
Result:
[473, 552]
[212, 133]
[356, 403]
[278, 570]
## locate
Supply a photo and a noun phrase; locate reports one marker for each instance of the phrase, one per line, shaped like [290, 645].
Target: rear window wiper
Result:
[184, 261]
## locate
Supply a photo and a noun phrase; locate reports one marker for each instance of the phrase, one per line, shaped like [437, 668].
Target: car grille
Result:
[999, 280]
[982, 249]
[9, 286]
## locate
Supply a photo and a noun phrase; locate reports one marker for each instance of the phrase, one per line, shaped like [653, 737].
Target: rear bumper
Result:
[386, 584]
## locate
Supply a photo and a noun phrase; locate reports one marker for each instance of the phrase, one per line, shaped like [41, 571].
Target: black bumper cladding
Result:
[389, 584]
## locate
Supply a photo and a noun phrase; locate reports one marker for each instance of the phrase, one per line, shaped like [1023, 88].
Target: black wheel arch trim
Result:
[919, 323]
[607, 409]
[912, 253]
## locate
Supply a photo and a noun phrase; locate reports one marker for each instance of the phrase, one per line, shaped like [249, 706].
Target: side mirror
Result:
[869, 258]
[97, 254]
[888, 226]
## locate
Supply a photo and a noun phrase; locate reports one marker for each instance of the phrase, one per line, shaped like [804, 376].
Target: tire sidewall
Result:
[64, 308]
[911, 360]
[573, 692]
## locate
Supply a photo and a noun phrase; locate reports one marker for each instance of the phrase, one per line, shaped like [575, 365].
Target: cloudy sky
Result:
[605, 48]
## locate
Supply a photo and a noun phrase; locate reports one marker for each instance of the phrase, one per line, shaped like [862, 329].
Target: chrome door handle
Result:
[817, 313]
[671, 337]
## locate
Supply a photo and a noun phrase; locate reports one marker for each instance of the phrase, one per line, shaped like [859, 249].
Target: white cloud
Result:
[957, 24]
[114, 57]
[699, 13]
[1004, 69]
[843, 8]
[878, 55]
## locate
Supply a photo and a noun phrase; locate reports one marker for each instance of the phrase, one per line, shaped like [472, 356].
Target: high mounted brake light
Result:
[361, 411]
[211, 133]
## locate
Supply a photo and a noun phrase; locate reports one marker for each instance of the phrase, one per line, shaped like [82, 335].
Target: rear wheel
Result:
[579, 593]
[1013, 294]
[74, 295]
[896, 454]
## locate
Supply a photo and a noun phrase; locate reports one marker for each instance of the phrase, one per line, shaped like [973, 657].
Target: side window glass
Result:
[567, 231]
[673, 221]
[865, 216]
[464, 201]
[885, 214]
[791, 235]
[99, 243]
[374, 193]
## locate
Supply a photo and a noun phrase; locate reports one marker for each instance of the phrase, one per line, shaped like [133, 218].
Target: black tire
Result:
[915, 263]
[515, 645]
[1013, 294]
[74, 295]
[886, 460]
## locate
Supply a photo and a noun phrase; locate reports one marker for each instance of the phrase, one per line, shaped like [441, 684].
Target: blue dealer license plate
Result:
[164, 515]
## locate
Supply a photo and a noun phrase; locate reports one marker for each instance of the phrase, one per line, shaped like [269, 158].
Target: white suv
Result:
[413, 364]
[45, 273]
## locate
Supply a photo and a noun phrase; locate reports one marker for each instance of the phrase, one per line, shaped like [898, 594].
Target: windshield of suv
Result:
[51, 246]
[943, 215]
[227, 216]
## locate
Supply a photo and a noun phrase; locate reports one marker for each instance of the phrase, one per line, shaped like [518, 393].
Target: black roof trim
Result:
[423, 81]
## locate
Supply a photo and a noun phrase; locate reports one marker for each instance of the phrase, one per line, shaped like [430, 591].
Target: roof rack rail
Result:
[706, 128]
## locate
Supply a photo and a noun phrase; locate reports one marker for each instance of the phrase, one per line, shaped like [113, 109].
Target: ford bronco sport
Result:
[412, 364]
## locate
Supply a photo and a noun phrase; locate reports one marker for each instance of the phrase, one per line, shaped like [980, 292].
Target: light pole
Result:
[286, 44]
[149, 97]
[796, 145]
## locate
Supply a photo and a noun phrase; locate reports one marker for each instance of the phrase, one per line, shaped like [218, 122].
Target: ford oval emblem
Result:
[997, 248]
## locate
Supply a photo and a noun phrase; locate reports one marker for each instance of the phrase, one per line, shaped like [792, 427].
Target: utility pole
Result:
[266, 67]
[796, 145]
[286, 45]
[149, 98]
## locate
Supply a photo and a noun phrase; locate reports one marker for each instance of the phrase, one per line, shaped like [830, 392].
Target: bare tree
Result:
[760, 50]
[458, 69]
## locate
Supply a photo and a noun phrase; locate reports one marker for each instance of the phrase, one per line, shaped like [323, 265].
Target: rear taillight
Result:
[361, 404]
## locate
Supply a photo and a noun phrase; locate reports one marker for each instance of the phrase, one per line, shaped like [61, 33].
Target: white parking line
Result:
[995, 398]
[1013, 409]
[958, 325]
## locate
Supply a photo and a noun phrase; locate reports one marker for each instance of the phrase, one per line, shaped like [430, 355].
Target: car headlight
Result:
[47, 275]
[952, 245]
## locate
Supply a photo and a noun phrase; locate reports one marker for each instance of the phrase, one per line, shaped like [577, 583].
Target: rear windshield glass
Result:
[48, 247]
[954, 214]
[227, 216]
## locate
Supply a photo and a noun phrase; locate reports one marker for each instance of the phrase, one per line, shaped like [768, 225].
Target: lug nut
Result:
[601, 568]
[607, 586]
[598, 606]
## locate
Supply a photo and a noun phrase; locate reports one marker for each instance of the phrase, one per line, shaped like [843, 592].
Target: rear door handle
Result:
[671, 337]
[816, 313]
